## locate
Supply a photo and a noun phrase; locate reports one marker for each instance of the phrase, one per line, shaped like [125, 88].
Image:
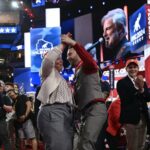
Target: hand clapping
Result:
[139, 82]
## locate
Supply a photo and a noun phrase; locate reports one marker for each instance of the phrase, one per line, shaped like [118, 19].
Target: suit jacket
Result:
[132, 101]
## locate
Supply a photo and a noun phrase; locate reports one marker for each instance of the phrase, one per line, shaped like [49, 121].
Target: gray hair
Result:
[118, 16]
[2, 83]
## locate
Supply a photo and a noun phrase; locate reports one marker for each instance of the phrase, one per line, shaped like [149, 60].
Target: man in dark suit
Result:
[134, 95]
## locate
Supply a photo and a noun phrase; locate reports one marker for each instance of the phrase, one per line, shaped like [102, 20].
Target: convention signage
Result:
[42, 40]
[139, 25]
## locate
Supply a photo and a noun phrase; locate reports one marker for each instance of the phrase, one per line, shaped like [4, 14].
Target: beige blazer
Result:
[50, 76]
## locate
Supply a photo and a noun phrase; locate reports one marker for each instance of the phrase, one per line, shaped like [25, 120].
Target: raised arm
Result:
[87, 59]
[49, 60]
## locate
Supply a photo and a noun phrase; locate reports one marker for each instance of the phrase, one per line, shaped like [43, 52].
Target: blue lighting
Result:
[38, 3]
[8, 30]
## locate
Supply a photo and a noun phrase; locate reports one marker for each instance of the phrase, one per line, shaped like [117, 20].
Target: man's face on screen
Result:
[110, 33]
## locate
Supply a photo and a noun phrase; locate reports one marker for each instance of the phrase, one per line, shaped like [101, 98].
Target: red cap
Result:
[134, 61]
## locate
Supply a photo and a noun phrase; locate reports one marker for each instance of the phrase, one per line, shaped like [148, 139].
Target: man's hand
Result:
[7, 108]
[139, 82]
[22, 118]
[67, 39]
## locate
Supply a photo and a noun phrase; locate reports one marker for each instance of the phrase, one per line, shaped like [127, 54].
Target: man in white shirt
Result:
[134, 95]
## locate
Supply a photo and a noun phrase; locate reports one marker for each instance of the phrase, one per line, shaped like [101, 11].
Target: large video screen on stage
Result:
[134, 45]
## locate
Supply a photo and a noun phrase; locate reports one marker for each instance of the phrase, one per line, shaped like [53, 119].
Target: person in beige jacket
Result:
[55, 116]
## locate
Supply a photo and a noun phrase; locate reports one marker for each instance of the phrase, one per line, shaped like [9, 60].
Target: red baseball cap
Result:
[134, 61]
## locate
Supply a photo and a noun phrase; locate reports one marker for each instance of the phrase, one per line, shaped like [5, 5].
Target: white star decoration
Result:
[1, 30]
[13, 30]
[8, 30]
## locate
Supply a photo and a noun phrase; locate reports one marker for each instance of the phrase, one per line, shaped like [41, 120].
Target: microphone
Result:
[100, 41]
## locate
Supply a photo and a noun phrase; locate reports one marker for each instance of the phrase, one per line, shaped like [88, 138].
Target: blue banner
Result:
[42, 40]
[26, 80]
[38, 3]
[137, 25]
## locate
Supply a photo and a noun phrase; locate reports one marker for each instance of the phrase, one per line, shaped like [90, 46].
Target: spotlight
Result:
[79, 11]
[103, 3]
[26, 9]
[21, 2]
[91, 7]
[14, 4]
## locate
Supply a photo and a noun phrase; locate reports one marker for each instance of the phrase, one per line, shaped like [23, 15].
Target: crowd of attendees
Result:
[17, 121]
[79, 117]
[18, 117]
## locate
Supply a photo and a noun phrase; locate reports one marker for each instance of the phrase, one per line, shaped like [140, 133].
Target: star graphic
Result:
[7, 30]
[13, 30]
[1, 30]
